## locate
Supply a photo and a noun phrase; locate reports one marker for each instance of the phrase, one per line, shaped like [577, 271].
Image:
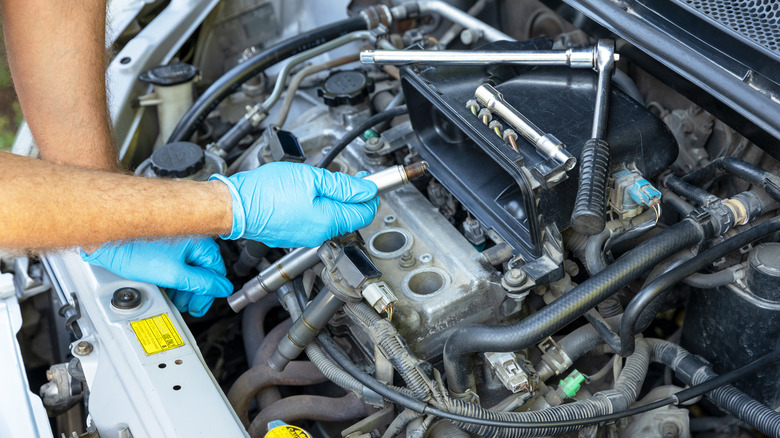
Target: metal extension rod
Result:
[295, 263]
[546, 144]
[574, 58]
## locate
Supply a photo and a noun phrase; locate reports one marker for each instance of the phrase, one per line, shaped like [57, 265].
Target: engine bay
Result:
[577, 233]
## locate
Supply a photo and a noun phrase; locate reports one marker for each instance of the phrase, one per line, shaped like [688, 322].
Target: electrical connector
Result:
[631, 192]
[571, 384]
[642, 192]
[380, 297]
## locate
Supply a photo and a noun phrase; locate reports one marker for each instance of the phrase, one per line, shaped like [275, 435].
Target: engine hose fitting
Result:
[591, 202]
[305, 329]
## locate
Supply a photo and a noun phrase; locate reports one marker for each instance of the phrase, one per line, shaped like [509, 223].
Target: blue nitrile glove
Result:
[190, 267]
[292, 204]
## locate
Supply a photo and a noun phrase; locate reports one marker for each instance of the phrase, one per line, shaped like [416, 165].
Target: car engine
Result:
[577, 231]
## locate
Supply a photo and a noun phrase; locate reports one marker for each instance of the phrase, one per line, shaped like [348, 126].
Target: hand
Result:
[292, 205]
[191, 267]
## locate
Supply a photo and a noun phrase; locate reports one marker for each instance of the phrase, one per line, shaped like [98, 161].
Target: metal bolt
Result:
[670, 430]
[425, 258]
[83, 348]
[374, 144]
[389, 219]
[407, 259]
[49, 375]
[515, 277]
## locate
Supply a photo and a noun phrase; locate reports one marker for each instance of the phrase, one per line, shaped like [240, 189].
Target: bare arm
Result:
[56, 53]
[45, 205]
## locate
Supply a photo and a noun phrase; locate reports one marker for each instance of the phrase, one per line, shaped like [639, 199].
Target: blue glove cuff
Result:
[239, 216]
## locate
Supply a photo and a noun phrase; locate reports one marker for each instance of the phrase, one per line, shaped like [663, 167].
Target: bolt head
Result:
[83, 348]
[515, 277]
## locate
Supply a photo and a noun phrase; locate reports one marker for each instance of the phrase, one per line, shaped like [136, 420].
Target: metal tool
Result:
[546, 144]
[301, 259]
[574, 58]
[591, 201]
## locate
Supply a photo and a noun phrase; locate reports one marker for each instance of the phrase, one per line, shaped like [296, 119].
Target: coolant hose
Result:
[640, 311]
[692, 371]
[564, 310]
[740, 169]
[688, 191]
[620, 398]
[232, 80]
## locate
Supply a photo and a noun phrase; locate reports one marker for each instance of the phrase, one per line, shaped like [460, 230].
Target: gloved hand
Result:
[191, 268]
[291, 205]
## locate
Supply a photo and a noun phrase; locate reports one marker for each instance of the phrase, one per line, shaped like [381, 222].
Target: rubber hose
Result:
[621, 397]
[692, 371]
[594, 252]
[232, 80]
[445, 429]
[308, 407]
[252, 319]
[640, 312]
[688, 191]
[710, 281]
[252, 381]
[577, 343]
[590, 205]
[358, 131]
[740, 169]
[564, 310]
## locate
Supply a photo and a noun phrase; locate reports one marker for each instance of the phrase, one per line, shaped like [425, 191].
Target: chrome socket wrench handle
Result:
[546, 144]
[574, 58]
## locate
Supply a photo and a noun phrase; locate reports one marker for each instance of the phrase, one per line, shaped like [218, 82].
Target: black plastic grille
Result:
[755, 19]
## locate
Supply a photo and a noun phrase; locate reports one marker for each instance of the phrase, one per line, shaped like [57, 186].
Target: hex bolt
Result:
[83, 348]
[485, 115]
[374, 144]
[425, 258]
[515, 277]
[126, 298]
[496, 127]
[670, 430]
[407, 259]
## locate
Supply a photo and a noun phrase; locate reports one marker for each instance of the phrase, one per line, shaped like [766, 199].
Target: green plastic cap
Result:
[571, 384]
[368, 134]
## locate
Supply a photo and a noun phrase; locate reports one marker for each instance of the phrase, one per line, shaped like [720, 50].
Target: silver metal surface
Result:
[389, 179]
[574, 58]
[546, 144]
[605, 65]
[171, 393]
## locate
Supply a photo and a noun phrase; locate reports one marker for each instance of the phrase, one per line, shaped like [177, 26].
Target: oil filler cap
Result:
[168, 75]
[349, 87]
[178, 160]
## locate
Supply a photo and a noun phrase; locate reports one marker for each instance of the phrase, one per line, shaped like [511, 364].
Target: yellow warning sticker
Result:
[287, 431]
[156, 334]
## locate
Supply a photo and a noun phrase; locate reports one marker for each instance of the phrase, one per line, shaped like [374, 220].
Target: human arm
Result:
[57, 57]
[45, 205]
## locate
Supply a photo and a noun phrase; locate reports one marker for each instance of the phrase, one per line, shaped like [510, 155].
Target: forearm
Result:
[44, 205]
[56, 54]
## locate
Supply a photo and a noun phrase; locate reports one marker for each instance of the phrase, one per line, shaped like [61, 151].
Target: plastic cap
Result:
[572, 384]
[168, 75]
[346, 88]
[178, 160]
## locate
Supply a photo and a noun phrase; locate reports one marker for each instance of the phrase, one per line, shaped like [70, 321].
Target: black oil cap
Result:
[763, 274]
[178, 160]
[346, 88]
[167, 75]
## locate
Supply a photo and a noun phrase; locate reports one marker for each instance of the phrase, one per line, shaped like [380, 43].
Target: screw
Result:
[83, 348]
[510, 136]
[515, 277]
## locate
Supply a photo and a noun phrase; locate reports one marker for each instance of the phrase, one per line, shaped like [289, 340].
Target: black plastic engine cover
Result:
[494, 182]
